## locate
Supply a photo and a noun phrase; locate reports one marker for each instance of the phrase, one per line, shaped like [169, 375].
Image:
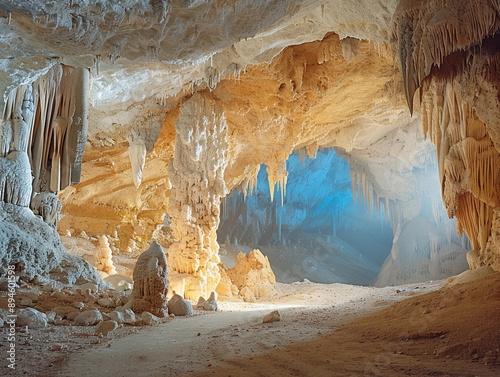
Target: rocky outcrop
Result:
[253, 276]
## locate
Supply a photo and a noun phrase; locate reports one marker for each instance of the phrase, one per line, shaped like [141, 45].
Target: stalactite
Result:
[55, 136]
[428, 31]
[276, 173]
[468, 162]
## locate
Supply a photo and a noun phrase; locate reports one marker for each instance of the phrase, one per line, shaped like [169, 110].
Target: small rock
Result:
[91, 286]
[51, 316]
[124, 287]
[62, 297]
[119, 280]
[204, 305]
[274, 316]
[63, 311]
[105, 327]
[106, 302]
[72, 315]
[79, 305]
[62, 322]
[126, 316]
[212, 300]
[179, 306]
[58, 347]
[47, 288]
[26, 301]
[149, 319]
[31, 318]
[88, 318]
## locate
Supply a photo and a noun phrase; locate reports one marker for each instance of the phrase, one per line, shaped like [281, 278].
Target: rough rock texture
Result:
[35, 248]
[47, 206]
[179, 306]
[253, 276]
[150, 282]
[197, 176]
[32, 318]
[210, 304]
[149, 319]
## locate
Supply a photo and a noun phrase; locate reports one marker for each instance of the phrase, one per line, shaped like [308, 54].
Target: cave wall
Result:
[449, 53]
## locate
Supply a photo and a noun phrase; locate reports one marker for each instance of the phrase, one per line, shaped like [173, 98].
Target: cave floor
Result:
[325, 330]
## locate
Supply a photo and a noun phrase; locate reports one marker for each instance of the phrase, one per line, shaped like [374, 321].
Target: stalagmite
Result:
[102, 256]
[150, 282]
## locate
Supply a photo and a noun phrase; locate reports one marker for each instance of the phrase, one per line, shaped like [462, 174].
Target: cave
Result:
[250, 188]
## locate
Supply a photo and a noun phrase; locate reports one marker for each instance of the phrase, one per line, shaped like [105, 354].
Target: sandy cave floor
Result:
[325, 330]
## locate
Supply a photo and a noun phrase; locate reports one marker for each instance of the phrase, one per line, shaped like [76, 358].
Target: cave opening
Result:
[332, 225]
[318, 233]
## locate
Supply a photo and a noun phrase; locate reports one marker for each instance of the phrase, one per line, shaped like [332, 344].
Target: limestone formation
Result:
[150, 282]
[197, 177]
[226, 289]
[253, 276]
[179, 306]
[191, 109]
[452, 60]
[102, 256]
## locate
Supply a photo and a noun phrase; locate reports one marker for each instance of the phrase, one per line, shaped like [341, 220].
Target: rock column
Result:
[197, 178]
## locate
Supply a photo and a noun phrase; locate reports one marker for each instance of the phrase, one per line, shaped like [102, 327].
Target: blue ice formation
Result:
[318, 219]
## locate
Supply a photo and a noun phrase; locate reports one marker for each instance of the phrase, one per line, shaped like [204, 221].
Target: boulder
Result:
[32, 318]
[88, 318]
[105, 327]
[149, 319]
[126, 316]
[179, 306]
